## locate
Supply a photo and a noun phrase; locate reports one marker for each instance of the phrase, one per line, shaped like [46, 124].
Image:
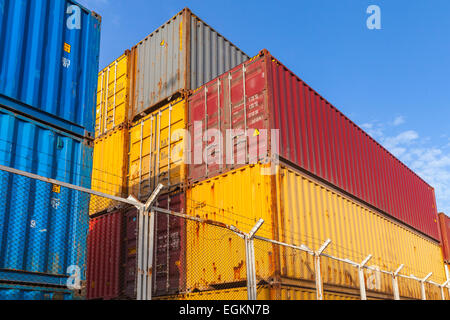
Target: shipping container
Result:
[264, 293]
[156, 150]
[49, 53]
[182, 54]
[110, 168]
[444, 224]
[18, 292]
[104, 256]
[112, 96]
[298, 209]
[112, 252]
[262, 94]
[42, 227]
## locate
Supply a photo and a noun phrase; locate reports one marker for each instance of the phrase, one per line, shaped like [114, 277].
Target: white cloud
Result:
[406, 137]
[398, 121]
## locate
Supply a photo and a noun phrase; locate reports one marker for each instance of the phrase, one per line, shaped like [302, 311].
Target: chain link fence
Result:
[55, 246]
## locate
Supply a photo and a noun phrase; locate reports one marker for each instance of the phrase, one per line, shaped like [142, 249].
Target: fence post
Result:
[319, 290]
[447, 275]
[145, 247]
[250, 261]
[140, 270]
[422, 285]
[442, 286]
[395, 282]
[362, 283]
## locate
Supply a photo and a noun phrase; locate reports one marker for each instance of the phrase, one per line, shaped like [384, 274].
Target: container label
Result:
[67, 47]
[56, 189]
[66, 63]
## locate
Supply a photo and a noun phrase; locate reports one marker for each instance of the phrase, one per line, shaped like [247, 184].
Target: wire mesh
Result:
[43, 234]
[215, 258]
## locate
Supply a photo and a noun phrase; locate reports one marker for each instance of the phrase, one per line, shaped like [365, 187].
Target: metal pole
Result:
[422, 285]
[362, 283]
[442, 286]
[151, 245]
[395, 282]
[319, 289]
[251, 272]
[250, 261]
[139, 254]
[447, 275]
[145, 248]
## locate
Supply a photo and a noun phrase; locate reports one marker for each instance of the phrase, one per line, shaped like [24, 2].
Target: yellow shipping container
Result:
[112, 96]
[263, 293]
[156, 150]
[109, 172]
[298, 209]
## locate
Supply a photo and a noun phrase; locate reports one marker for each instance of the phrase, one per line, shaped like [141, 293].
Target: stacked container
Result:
[332, 181]
[205, 121]
[48, 65]
[141, 113]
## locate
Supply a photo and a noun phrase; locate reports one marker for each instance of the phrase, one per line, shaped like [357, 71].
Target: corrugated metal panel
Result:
[16, 292]
[313, 135]
[46, 66]
[264, 293]
[157, 150]
[444, 223]
[114, 277]
[109, 172]
[43, 251]
[182, 54]
[104, 256]
[306, 212]
[112, 96]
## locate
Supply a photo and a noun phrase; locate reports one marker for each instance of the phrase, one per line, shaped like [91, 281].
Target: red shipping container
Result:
[262, 94]
[444, 223]
[111, 270]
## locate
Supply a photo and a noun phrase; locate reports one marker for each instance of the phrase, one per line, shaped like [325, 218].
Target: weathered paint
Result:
[42, 229]
[444, 224]
[182, 54]
[112, 96]
[47, 70]
[314, 136]
[308, 212]
[157, 150]
[110, 168]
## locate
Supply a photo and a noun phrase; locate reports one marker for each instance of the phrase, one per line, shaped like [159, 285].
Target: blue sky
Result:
[393, 82]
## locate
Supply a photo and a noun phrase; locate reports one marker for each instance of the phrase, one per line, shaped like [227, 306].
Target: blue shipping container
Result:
[43, 228]
[49, 53]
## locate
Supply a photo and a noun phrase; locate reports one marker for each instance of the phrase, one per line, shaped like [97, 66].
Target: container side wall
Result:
[183, 54]
[112, 96]
[42, 229]
[351, 150]
[210, 53]
[104, 242]
[49, 53]
[157, 150]
[308, 212]
[315, 213]
[444, 223]
[109, 174]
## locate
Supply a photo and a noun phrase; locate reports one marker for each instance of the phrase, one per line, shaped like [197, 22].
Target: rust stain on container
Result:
[308, 212]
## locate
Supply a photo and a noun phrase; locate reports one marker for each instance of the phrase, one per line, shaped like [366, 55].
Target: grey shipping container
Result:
[183, 54]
